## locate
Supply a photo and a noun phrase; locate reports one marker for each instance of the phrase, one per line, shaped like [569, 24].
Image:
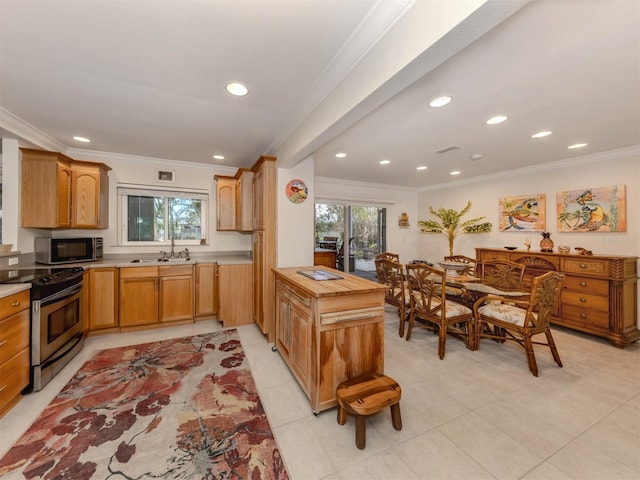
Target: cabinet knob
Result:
[583, 265]
[15, 304]
[583, 315]
[583, 284]
[583, 300]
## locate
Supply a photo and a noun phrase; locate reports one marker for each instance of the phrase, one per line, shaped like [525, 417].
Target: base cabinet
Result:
[102, 298]
[235, 291]
[138, 296]
[328, 331]
[176, 293]
[14, 348]
[599, 293]
[206, 290]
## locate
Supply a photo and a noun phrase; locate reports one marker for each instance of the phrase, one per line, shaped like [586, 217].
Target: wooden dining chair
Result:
[388, 255]
[470, 262]
[519, 321]
[429, 303]
[501, 274]
[390, 273]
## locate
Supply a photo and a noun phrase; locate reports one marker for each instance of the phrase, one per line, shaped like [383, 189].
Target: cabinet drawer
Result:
[138, 272]
[14, 335]
[585, 317]
[588, 285]
[586, 266]
[170, 270]
[14, 376]
[584, 300]
[488, 256]
[14, 303]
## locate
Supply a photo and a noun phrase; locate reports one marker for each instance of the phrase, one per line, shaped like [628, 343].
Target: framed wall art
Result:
[601, 209]
[523, 213]
[297, 191]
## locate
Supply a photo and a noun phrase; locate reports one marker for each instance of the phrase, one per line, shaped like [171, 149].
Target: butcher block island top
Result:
[328, 331]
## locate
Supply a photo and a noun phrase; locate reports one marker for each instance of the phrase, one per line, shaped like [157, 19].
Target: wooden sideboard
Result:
[328, 331]
[324, 257]
[599, 292]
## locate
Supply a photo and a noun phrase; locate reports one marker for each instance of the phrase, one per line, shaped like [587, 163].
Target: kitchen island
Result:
[328, 330]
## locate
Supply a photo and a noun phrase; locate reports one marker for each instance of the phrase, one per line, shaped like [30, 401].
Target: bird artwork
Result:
[592, 214]
[525, 211]
[600, 209]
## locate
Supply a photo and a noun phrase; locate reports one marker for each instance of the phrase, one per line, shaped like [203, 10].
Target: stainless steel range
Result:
[57, 328]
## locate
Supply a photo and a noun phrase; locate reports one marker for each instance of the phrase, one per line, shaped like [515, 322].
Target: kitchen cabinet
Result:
[14, 348]
[226, 203]
[235, 287]
[598, 294]
[206, 290]
[264, 243]
[176, 293]
[138, 296]
[45, 189]
[244, 200]
[90, 195]
[102, 287]
[60, 192]
[328, 331]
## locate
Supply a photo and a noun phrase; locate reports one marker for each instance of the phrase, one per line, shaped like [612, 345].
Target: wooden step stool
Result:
[366, 395]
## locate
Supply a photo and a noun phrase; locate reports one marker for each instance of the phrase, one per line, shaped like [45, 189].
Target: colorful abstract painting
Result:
[525, 213]
[601, 209]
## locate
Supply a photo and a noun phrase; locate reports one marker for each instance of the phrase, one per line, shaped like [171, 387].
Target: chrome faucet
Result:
[172, 245]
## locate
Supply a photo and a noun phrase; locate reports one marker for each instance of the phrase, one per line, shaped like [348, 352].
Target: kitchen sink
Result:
[159, 260]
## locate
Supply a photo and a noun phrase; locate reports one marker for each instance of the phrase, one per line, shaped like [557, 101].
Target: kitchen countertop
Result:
[6, 290]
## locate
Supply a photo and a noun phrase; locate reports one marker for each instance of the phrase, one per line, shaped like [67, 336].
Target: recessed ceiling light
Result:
[421, 167]
[577, 145]
[440, 101]
[385, 162]
[81, 139]
[455, 172]
[341, 155]
[237, 89]
[476, 156]
[541, 134]
[219, 157]
[496, 119]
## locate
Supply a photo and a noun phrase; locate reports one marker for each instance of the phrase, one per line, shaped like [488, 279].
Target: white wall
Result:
[142, 171]
[396, 200]
[295, 238]
[613, 168]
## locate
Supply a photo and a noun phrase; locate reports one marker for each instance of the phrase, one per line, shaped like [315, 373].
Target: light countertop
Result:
[6, 290]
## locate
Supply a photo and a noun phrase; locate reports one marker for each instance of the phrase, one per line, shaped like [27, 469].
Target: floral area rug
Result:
[185, 408]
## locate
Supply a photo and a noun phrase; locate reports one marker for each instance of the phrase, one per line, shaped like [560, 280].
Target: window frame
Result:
[125, 190]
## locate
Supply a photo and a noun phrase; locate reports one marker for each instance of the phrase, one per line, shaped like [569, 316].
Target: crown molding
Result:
[26, 132]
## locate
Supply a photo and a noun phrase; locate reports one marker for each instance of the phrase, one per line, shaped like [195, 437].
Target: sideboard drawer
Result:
[586, 317]
[589, 285]
[584, 300]
[488, 256]
[585, 266]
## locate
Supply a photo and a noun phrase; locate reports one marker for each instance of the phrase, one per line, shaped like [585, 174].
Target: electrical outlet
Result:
[13, 261]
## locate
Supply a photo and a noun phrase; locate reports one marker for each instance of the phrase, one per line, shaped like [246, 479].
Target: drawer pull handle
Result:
[583, 315]
[15, 304]
[583, 284]
[583, 300]
[2, 388]
[3, 342]
[583, 265]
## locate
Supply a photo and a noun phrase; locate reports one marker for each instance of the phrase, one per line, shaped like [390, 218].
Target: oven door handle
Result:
[77, 338]
[61, 295]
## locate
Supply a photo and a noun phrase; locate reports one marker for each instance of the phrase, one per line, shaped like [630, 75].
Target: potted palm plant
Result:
[451, 223]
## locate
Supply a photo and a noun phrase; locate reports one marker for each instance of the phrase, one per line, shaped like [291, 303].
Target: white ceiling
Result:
[325, 76]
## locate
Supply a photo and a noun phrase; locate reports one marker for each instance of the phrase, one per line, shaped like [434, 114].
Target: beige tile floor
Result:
[473, 415]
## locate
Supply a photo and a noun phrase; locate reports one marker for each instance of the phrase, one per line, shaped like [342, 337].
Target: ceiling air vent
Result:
[448, 150]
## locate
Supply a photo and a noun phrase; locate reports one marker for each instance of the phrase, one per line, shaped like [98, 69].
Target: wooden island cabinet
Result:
[328, 331]
[599, 292]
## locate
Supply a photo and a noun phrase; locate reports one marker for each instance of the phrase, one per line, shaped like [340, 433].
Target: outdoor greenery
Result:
[364, 226]
[451, 223]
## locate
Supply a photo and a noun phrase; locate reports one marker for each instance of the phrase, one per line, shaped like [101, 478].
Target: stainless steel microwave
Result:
[52, 251]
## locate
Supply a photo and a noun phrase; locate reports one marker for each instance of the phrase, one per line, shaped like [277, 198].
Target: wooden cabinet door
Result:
[283, 322]
[103, 298]
[258, 194]
[244, 201]
[176, 295]
[226, 203]
[258, 279]
[64, 195]
[138, 296]
[235, 289]
[86, 197]
[300, 353]
[206, 290]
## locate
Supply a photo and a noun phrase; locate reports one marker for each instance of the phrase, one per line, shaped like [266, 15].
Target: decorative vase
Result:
[546, 244]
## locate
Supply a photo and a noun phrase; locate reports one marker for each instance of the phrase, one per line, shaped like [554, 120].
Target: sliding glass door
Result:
[356, 232]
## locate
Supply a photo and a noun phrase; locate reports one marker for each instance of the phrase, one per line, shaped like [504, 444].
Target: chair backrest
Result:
[390, 273]
[425, 286]
[470, 262]
[389, 256]
[544, 292]
[502, 274]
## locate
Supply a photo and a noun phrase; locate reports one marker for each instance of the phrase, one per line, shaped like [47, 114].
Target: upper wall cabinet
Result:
[59, 192]
[235, 201]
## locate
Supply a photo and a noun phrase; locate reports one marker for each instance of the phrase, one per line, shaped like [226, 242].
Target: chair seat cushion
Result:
[454, 309]
[504, 312]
